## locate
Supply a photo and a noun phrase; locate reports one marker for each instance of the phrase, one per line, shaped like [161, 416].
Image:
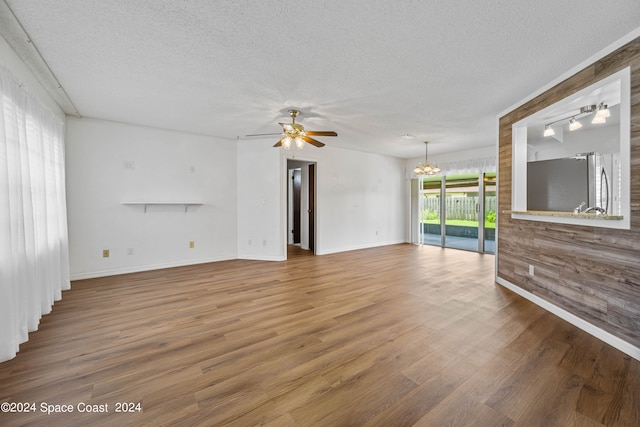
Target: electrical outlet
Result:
[105, 253]
[192, 244]
[130, 251]
[532, 270]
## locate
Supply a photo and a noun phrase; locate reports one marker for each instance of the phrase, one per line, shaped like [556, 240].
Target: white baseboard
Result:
[591, 329]
[249, 257]
[358, 247]
[262, 257]
[141, 268]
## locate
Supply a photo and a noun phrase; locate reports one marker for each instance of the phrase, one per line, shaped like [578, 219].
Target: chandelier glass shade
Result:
[425, 168]
[289, 141]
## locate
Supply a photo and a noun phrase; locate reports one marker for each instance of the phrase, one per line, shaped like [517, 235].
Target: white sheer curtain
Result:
[477, 165]
[34, 255]
[486, 164]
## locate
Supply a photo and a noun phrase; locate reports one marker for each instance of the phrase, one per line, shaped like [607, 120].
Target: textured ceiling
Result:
[370, 70]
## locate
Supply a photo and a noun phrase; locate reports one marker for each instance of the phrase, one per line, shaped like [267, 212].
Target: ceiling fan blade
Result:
[263, 134]
[313, 141]
[321, 133]
[279, 143]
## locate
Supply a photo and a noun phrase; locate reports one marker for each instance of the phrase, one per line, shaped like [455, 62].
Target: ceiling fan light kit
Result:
[295, 133]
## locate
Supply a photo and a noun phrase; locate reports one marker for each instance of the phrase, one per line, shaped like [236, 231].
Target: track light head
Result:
[603, 111]
[574, 124]
[548, 131]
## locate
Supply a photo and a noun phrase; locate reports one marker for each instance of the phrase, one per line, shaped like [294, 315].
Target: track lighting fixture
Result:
[601, 113]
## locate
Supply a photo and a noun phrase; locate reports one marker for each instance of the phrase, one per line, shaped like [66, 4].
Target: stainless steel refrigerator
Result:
[562, 185]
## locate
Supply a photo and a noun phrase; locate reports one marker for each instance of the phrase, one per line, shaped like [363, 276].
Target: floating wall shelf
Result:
[145, 204]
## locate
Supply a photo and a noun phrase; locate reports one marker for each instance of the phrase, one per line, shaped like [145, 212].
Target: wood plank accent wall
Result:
[593, 273]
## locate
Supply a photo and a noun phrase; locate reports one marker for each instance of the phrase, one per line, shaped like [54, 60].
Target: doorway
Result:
[458, 211]
[296, 190]
[301, 205]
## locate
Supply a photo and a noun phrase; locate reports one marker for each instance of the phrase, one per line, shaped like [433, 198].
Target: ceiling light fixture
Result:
[425, 168]
[601, 113]
[574, 124]
[295, 133]
[603, 110]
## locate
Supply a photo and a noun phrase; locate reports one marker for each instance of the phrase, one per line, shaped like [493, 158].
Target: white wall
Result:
[361, 199]
[261, 177]
[603, 140]
[110, 163]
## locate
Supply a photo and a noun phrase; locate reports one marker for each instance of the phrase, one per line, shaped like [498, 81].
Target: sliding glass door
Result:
[430, 223]
[490, 213]
[458, 211]
[461, 212]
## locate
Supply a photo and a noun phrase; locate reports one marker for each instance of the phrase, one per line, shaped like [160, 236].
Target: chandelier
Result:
[425, 168]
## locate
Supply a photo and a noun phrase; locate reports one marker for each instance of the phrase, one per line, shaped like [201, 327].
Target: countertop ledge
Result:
[568, 215]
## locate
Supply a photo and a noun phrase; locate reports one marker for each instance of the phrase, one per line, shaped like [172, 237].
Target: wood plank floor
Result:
[393, 336]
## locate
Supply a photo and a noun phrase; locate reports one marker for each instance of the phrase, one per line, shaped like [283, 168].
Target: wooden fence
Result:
[458, 207]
